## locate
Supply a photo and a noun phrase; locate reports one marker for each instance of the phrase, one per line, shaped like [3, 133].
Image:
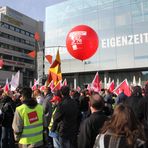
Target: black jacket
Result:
[143, 112]
[8, 108]
[47, 107]
[134, 103]
[90, 129]
[66, 118]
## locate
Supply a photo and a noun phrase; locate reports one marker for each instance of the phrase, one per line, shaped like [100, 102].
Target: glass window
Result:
[106, 19]
[11, 28]
[17, 29]
[17, 39]
[5, 25]
[31, 35]
[121, 3]
[27, 33]
[11, 47]
[5, 35]
[27, 42]
[137, 12]
[22, 32]
[145, 10]
[22, 41]
[122, 16]
[9, 57]
[11, 37]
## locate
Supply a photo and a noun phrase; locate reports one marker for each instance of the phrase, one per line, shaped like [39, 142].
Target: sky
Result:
[32, 8]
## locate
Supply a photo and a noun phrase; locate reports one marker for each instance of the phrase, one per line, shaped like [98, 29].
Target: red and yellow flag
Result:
[55, 70]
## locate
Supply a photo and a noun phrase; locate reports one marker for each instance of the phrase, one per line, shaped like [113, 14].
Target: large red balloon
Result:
[82, 42]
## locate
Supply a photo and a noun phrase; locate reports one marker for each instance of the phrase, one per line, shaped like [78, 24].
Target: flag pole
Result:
[36, 51]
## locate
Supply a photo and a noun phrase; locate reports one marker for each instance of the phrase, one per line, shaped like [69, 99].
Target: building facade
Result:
[16, 41]
[121, 26]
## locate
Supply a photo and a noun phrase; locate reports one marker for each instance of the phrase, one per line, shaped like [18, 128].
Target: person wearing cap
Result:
[28, 124]
[55, 101]
[66, 120]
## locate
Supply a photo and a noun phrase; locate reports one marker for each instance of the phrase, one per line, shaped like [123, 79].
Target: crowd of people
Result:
[70, 119]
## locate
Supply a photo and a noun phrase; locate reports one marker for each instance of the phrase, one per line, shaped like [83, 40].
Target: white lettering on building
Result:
[121, 41]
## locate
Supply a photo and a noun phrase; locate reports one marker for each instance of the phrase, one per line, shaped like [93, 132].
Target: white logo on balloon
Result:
[76, 38]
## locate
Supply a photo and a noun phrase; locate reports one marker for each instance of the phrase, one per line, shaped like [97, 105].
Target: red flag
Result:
[1, 63]
[37, 36]
[111, 86]
[6, 87]
[49, 58]
[123, 86]
[42, 88]
[32, 54]
[95, 85]
[36, 82]
[89, 88]
[78, 88]
[34, 87]
[58, 86]
[65, 82]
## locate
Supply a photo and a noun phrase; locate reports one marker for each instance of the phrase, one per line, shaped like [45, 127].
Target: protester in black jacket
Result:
[143, 113]
[7, 109]
[134, 100]
[66, 120]
[91, 125]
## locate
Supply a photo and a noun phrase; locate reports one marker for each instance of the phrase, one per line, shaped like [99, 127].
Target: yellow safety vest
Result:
[51, 121]
[33, 124]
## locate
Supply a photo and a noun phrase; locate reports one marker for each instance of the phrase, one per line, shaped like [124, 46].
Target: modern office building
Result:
[16, 41]
[122, 28]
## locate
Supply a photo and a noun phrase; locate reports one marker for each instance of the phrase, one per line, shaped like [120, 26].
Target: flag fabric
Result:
[111, 86]
[65, 82]
[109, 80]
[15, 81]
[51, 85]
[123, 86]
[58, 86]
[1, 63]
[89, 88]
[6, 87]
[117, 82]
[78, 88]
[55, 70]
[36, 82]
[96, 85]
[105, 82]
[12, 79]
[139, 82]
[42, 88]
[32, 54]
[49, 58]
[134, 81]
[36, 36]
